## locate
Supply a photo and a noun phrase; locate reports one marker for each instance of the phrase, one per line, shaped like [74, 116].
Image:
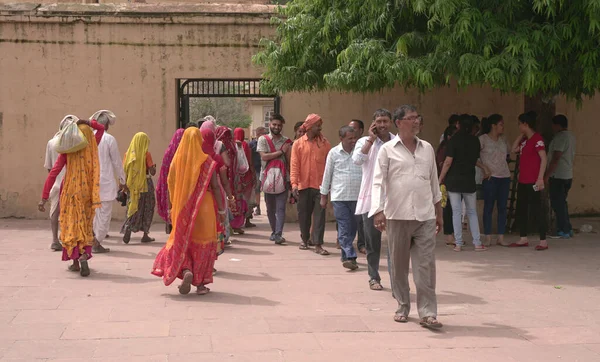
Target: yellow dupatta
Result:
[80, 195]
[185, 173]
[135, 170]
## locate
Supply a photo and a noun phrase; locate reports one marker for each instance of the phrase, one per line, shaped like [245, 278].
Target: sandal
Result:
[239, 231]
[431, 323]
[321, 252]
[400, 318]
[85, 268]
[517, 245]
[303, 246]
[74, 268]
[186, 284]
[375, 285]
[202, 290]
[481, 248]
[457, 248]
[541, 247]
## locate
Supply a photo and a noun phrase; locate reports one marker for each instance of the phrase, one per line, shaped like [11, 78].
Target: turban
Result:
[111, 118]
[310, 121]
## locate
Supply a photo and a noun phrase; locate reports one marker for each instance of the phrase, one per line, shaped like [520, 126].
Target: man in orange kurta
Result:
[309, 155]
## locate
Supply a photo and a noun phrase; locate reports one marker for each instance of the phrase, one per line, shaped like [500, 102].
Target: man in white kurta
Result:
[111, 167]
[51, 156]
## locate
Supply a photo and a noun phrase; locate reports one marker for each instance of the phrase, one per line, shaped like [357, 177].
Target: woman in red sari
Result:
[245, 182]
[239, 211]
[191, 250]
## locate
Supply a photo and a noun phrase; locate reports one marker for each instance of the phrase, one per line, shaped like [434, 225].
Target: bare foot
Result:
[75, 266]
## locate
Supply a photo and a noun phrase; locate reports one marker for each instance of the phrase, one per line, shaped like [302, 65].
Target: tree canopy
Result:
[535, 47]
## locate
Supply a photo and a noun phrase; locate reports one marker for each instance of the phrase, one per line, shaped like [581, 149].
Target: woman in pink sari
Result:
[162, 189]
[245, 182]
[241, 207]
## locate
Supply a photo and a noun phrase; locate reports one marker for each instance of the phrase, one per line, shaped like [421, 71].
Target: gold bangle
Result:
[230, 198]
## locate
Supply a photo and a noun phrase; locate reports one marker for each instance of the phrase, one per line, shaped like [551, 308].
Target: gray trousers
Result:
[411, 239]
[311, 213]
[276, 211]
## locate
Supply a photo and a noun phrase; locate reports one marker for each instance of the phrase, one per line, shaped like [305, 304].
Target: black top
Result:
[464, 150]
[255, 155]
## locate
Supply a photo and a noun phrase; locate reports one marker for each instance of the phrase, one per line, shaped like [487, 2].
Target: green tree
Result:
[538, 47]
[230, 112]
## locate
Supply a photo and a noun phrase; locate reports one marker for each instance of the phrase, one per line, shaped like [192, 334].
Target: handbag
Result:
[242, 161]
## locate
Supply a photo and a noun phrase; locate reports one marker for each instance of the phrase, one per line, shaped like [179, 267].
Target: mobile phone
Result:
[536, 188]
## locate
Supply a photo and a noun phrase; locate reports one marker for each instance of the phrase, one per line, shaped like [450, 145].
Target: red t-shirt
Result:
[529, 167]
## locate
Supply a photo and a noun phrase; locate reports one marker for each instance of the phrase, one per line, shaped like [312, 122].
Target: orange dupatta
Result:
[189, 178]
[80, 195]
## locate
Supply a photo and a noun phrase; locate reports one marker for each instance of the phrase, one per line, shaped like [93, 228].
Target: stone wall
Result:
[60, 59]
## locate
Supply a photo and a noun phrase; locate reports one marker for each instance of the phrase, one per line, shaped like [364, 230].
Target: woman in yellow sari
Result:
[139, 169]
[79, 197]
[194, 194]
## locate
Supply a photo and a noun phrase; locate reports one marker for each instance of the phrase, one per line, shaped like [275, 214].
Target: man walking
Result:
[359, 129]
[559, 175]
[365, 155]
[309, 154]
[257, 162]
[274, 150]
[51, 157]
[406, 201]
[109, 158]
[342, 178]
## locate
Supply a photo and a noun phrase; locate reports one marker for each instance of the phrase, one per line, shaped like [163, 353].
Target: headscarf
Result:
[189, 179]
[224, 135]
[207, 127]
[162, 194]
[311, 120]
[80, 195]
[110, 118]
[135, 170]
[239, 135]
[247, 179]
[211, 119]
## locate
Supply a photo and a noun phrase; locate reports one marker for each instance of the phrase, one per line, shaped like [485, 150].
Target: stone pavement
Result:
[278, 303]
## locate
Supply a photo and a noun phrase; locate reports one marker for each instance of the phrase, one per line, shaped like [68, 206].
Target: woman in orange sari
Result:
[191, 250]
[79, 197]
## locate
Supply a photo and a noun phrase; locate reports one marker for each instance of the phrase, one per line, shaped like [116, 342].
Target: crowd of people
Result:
[211, 180]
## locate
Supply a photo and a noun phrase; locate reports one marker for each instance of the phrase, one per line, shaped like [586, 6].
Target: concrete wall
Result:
[61, 59]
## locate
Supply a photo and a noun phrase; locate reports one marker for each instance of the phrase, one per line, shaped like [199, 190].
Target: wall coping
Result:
[136, 10]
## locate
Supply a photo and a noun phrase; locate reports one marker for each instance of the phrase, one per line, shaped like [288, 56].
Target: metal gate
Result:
[218, 88]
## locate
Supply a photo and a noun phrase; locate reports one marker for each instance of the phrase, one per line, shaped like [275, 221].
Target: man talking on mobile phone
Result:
[365, 155]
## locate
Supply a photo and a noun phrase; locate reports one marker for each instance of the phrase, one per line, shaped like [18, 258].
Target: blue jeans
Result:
[471, 211]
[495, 190]
[347, 226]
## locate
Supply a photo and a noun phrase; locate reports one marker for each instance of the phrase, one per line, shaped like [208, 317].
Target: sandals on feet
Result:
[202, 290]
[400, 318]
[74, 268]
[375, 285]
[303, 246]
[85, 268]
[321, 252]
[541, 247]
[186, 284]
[431, 323]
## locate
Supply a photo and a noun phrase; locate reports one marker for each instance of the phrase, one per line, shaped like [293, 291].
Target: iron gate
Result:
[218, 88]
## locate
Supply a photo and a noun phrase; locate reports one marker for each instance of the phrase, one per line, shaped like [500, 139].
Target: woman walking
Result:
[462, 156]
[440, 157]
[532, 165]
[139, 169]
[245, 182]
[162, 189]
[240, 207]
[79, 197]
[494, 152]
[191, 250]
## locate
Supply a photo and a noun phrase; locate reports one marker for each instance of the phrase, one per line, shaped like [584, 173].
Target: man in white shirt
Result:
[342, 179]
[110, 166]
[51, 157]
[406, 199]
[365, 155]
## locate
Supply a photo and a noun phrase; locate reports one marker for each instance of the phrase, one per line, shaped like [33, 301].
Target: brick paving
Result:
[278, 303]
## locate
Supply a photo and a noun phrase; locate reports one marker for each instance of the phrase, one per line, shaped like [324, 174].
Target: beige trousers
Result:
[411, 239]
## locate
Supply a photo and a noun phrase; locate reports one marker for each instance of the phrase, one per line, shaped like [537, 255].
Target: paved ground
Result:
[277, 303]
